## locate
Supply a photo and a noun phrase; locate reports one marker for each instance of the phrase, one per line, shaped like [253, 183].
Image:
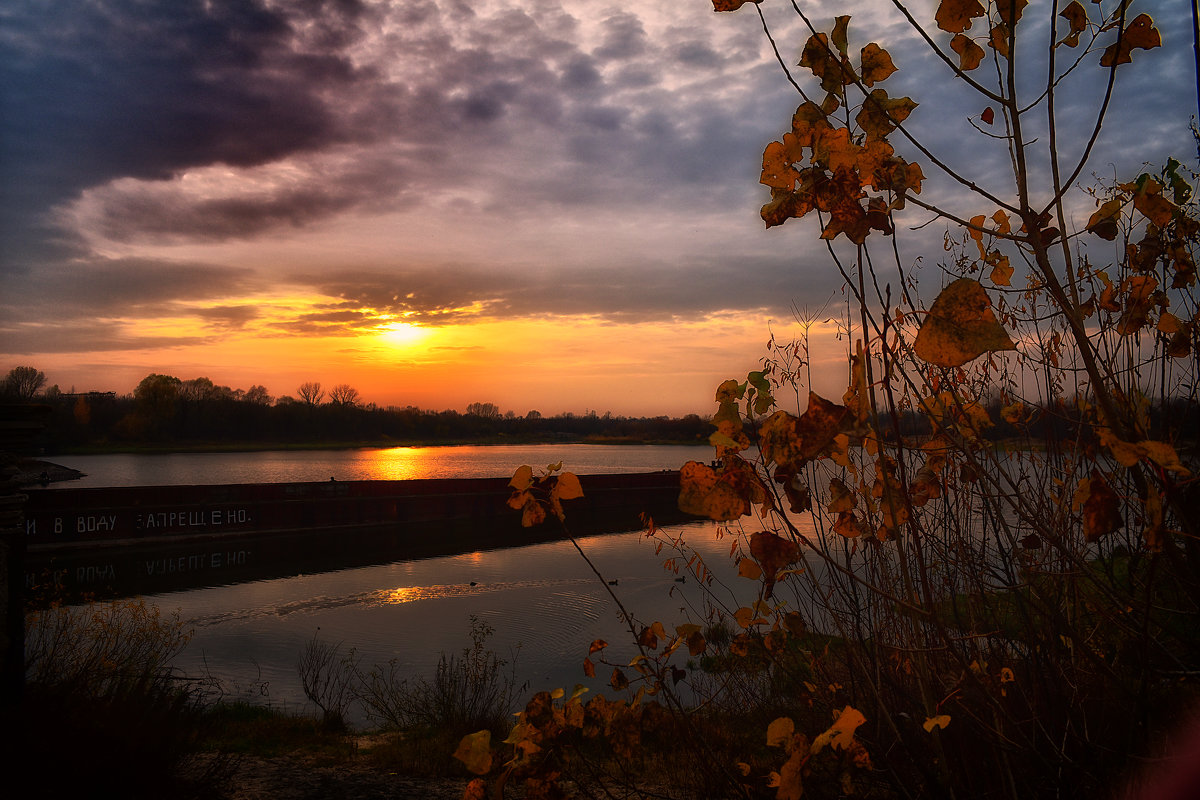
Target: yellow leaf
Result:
[841, 734]
[970, 55]
[748, 569]
[876, 64]
[960, 327]
[706, 493]
[522, 479]
[1001, 274]
[940, 721]
[779, 732]
[567, 487]
[475, 750]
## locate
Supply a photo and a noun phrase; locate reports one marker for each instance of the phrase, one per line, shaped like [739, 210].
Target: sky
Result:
[542, 204]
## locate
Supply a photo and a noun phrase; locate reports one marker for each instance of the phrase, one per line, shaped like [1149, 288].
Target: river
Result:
[543, 601]
[360, 464]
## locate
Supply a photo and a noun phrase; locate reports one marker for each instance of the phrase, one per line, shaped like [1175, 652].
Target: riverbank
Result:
[165, 448]
[35, 472]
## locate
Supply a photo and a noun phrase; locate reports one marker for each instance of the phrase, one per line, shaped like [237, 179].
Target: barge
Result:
[121, 541]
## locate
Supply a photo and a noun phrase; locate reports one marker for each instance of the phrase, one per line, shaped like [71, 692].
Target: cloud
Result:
[445, 161]
[96, 92]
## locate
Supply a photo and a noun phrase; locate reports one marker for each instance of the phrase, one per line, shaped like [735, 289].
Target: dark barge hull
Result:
[122, 541]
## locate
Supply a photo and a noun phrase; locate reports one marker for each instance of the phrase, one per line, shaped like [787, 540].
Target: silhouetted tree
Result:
[485, 410]
[22, 383]
[258, 395]
[311, 392]
[343, 395]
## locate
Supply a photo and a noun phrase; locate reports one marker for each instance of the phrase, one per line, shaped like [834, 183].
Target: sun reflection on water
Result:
[411, 594]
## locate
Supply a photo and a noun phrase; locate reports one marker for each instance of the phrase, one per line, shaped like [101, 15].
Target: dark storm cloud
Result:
[112, 288]
[114, 89]
[228, 316]
[164, 212]
[656, 289]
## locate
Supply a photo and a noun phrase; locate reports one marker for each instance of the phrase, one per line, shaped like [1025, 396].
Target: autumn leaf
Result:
[876, 64]
[773, 553]
[998, 39]
[1101, 507]
[970, 55]
[960, 327]
[1001, 273]
[1150, 202]
[779, 732]
[848, 525]
[841, 734]
[940, 721]
[1140, 34]
[618, 680]
[731, 5]
[522, 479]
[719, 496]
[566, 487]
[476, 790]
[880, 114]
[1104, 221]
[1010, 10]
[475, 751]
[1076, 16]
[793, 442]
[748, 569]
[841, 497]
[954, 16]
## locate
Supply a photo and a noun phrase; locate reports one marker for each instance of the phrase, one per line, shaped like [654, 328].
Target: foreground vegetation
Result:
[1016, 622]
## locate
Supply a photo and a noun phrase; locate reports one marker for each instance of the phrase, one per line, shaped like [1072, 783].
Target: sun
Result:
[402, 334]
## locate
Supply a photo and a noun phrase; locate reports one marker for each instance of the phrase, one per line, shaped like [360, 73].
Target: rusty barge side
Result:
[133, 540]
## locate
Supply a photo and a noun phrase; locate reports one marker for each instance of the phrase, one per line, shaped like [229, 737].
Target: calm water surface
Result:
[543, 601]
[394, 463]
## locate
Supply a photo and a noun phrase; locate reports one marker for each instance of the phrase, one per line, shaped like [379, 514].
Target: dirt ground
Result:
[300, 778]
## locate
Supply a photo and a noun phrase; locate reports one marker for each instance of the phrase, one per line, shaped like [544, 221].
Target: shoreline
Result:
[260, 447]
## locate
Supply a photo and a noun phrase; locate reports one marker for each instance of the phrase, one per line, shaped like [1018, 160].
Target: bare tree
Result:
[23, 382]
[311, 392]
[343, 395]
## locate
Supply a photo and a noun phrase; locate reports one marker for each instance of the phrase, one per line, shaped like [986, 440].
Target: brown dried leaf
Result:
[731, 5]
[1101, 507]
[960, 327]
[954, 16]
[1076, 15]
[876, 64]
[970, 55]
[1140, 34]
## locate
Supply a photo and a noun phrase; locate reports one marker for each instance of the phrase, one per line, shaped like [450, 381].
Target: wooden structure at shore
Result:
[121, 541]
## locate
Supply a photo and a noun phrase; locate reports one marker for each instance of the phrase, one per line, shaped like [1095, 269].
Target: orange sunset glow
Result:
[547, 205]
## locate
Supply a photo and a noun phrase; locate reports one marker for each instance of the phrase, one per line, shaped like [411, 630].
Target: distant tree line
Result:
[164, 410]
